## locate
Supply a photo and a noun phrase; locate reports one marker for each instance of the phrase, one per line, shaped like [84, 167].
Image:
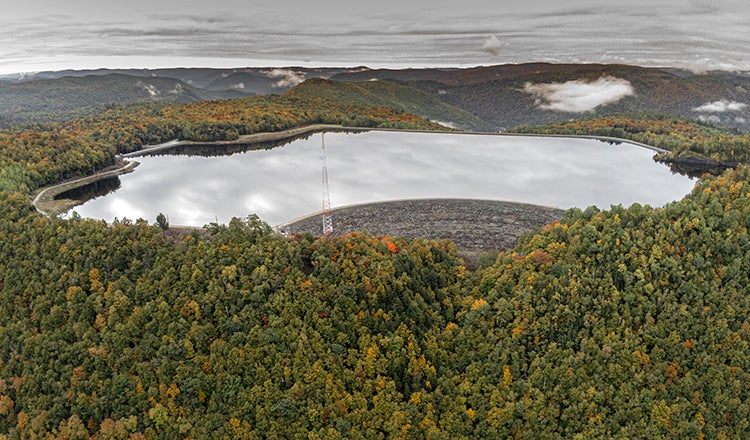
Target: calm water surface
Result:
[283, 183]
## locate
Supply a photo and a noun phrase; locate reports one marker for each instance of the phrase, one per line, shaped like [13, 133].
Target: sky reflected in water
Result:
[284, 183]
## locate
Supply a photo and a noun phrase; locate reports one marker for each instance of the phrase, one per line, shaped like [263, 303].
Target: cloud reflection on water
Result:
[284, 183]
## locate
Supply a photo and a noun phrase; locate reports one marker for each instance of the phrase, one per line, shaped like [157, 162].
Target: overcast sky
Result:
[56, 34]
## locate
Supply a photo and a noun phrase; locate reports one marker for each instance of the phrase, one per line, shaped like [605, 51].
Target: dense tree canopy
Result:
[40, 154]
[681, 136]
[626, 323]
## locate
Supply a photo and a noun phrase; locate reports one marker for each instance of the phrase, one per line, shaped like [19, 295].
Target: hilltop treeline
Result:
[57, 99]
[681, 136]
[388, 94]
[628, 323]
[40, 154]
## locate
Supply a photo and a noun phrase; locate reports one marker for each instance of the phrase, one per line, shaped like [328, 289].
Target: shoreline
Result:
[292, 132]
[45, 202]
[247, 139]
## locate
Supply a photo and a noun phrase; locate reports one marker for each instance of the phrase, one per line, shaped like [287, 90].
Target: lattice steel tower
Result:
[327, 218]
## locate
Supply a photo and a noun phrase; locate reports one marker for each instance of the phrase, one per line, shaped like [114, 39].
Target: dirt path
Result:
[46, 203]
[293, 132]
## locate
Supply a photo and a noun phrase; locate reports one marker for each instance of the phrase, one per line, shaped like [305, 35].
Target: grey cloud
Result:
[570, 12]
[579, 95]
[702, 8]
[202, 19]
[156, 32]
[446, 33]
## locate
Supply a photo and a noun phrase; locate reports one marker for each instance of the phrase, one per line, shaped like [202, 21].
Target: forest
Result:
[34, 155]
[389, 94]
[630, 322]
[679, 135]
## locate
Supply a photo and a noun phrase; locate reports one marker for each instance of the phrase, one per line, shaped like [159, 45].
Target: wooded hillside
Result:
[39, 154]
[629, 323]
[626, 323]
[388, 94]
[680, 136]
[485, 98]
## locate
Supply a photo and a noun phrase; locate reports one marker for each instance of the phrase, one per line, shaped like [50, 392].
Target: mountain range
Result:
[491, 98]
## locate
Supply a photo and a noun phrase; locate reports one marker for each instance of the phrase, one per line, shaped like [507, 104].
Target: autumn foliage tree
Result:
[626, 323]
[40, 154]
[680, 136]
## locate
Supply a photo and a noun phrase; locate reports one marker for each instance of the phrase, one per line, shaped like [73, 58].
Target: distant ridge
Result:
[42, 99]
[496, 93]
[388, 94]
[492, 98]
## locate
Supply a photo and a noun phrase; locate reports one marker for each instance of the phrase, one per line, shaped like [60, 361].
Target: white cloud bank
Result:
[720, 107]
[286, 77]
[151, 89]
[579, 95]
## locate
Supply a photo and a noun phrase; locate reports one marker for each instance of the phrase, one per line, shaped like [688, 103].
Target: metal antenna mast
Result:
[327, 218]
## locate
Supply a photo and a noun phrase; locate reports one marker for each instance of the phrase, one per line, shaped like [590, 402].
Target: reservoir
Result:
[197, 185]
